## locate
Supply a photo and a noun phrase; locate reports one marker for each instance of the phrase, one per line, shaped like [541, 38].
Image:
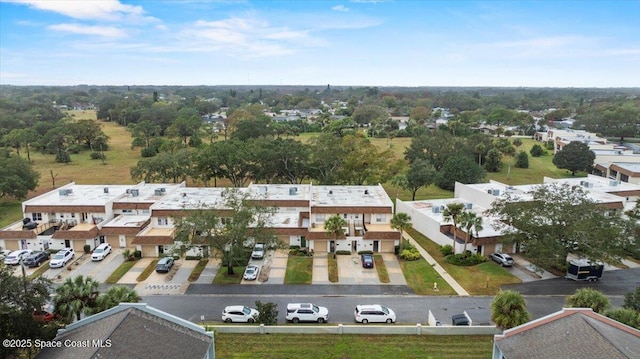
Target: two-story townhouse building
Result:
[70, 216]
[427, 215]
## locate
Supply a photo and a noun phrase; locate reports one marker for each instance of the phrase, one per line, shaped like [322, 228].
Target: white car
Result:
[306, 312]
[374, 313]
[15, 257]
[4, 253]
[258, 251]
[251, 273]
[239, 314]
[61, 258]
[100, 252]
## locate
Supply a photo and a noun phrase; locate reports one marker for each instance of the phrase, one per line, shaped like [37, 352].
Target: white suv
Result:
[61, 258]
[100, 252]
[306, 312]
[374, 313]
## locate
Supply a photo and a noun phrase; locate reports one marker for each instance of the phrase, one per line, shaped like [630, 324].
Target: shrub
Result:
[87, 248]
[536, 151]
[365, 252]
[550, 145]
[588, 298]
[193, 258]
[294, 247]
[137, 254]
[127, 255]
[75, 149]
[268, 313]
[446, 250]
[522, 160]
[341, 253]
[97, 156]
[148, 152]
[461, 260]
[411, 254]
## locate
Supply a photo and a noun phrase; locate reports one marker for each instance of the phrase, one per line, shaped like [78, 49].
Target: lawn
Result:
[332, 263]
[223, 278]
[325, 346]
[40, 271]
[10, 212]
[420, 276]
[120, 272]
[299, 270]
[147, 271]
[195, 273]
[381, 268]
[482, 279]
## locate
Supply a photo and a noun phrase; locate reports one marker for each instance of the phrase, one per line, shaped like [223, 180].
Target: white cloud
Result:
[247, 37]
[106, 10]
[105, 31]
[341, 8]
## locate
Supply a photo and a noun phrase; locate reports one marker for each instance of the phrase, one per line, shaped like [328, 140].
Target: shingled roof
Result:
[571, 333]
[133, 330]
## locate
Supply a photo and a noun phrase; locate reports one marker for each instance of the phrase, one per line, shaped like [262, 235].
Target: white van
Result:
[101, 251]
[374, 313]
[306, 312]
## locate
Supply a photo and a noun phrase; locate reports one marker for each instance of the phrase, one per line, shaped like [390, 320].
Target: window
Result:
[319, 217]
[145, 211]
[36, 216]
[380, 217]
[345, 216]
[127, 211]
[163, 221]
[73, 215]
[225, 220]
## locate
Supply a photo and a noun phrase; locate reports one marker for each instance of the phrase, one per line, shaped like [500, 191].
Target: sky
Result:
[588, 43]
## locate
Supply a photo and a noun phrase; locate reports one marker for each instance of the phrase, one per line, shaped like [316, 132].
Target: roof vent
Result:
[330, 192]
[366, 191]
[184, 194]
[105, 190]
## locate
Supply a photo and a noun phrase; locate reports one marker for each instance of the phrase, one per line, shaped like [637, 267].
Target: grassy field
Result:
[299, 270]
[326, 346]
[482, 279]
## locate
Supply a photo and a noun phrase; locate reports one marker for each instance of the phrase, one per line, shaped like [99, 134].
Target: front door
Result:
[161, 249]
[332, 246]
[67, 243]
[354, 246]
[123, 241]
[376, 245]
[303, 241]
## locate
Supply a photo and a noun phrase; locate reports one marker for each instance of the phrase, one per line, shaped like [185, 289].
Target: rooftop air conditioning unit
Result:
[495, 192]
[468, 205]
[158, 192]
[293, 191]
[135, 193]
[163, 190]
[613, 183]
[105, 190]
[435, 209]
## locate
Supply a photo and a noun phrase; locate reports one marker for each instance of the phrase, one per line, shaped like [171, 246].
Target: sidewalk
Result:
[446, 276]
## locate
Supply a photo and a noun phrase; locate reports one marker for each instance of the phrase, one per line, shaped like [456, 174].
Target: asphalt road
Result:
[543, 297]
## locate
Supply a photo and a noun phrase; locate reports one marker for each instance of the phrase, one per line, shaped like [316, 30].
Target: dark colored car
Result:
[503, 259]
[164, 265]
[460, 319]
[36, 259]
[367, 261]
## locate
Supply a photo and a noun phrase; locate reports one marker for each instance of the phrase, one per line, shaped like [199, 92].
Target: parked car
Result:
[164, 265]
[61, 258]
[251, 272]
[15, 257]
[101, 252]
[374, 313]
[460, 319]
[35, 259]
[367, 260]
[239, 314]
[4, 253]
[43, 316]
[503, 259]
[306, 312]
[258, 251]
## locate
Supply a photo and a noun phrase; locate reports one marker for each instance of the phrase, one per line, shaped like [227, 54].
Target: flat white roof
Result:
[146, 192]
[629, 166]
[128, 220]
[351, 196]
[425, 208]
[192, 198]
[280, 191]
[79, 195]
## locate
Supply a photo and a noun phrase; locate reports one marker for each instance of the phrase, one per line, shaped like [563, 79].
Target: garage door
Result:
[319, 245]
[387, 246]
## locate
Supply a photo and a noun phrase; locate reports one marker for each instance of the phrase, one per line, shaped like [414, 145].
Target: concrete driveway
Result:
[174, 282]
[351, 272]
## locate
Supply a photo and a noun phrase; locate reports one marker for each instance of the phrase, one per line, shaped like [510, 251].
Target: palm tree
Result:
[452, 213]
[114, 296]
[333, 225]
[509, 309]
[401, 221]
[75, 296]
[471, 223]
